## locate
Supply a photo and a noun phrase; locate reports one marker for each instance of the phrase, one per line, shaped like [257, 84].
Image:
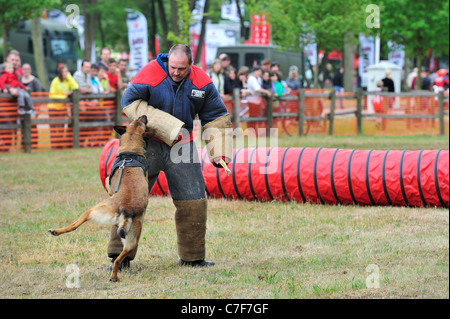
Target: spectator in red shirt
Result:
[113, 75]
[10, 80]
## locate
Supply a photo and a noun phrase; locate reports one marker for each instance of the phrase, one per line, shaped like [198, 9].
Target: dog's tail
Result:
[125, 220]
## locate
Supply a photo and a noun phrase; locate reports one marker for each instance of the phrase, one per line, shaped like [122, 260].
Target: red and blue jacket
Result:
[195, 95]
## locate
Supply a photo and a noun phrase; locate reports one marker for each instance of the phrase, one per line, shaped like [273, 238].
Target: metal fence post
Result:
[75, 97]
[301, 111]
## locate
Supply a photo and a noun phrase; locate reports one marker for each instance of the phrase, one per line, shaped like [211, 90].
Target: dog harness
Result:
[127, 159]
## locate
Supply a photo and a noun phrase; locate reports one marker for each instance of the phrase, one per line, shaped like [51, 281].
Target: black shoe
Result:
[196, 263]
[124, 264]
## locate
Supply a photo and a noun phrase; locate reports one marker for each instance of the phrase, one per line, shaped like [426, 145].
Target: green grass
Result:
[261, 250]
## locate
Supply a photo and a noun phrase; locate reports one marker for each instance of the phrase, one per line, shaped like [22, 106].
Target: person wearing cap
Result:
[225, 60]
[440, 83]
[253, 82]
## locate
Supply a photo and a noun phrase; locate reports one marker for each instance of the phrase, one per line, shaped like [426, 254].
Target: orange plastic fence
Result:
[418, 106]
[92, 112]
[51, 126]
[52, 129]
[9, 138]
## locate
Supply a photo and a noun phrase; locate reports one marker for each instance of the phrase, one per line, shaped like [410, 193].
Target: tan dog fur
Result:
[127, 207]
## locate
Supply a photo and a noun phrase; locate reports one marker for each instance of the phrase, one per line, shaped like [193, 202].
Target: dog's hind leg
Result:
[103, 213]
[131, 243]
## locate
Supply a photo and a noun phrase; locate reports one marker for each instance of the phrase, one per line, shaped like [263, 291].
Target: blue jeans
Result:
[181, 166]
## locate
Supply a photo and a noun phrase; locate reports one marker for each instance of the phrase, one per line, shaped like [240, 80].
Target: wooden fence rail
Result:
[86, 120]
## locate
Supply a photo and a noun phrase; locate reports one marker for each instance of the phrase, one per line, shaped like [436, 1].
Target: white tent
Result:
[376, 72]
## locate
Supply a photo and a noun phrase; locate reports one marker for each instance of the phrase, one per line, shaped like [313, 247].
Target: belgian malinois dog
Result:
[128, 203]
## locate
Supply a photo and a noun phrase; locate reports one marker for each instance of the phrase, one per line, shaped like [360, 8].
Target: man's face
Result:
[112, 68]
[225, 63]
[123, 66]
[105, 55]
[178, 66]
[94, 72]
[86, 67]
[14, 59]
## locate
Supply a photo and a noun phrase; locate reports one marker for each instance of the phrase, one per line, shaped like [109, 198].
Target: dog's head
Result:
[133, 136]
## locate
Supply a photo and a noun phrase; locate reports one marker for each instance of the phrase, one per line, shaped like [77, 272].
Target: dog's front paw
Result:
[53, 232]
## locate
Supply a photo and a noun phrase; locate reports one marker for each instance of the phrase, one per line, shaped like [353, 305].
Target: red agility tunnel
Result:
[322, 175]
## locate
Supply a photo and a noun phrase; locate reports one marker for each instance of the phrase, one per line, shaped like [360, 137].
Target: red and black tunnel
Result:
[321, 175]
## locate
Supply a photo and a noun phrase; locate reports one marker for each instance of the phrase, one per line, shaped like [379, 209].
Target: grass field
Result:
[261, 250]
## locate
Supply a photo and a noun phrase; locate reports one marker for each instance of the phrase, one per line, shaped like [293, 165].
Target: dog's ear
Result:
[120, 129]
[149, 133]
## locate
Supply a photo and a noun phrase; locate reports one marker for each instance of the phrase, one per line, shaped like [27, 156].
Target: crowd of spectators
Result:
[263, 79]
[106, 76]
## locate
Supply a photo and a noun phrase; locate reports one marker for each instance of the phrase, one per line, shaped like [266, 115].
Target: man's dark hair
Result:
[84, 61]
[183, 48]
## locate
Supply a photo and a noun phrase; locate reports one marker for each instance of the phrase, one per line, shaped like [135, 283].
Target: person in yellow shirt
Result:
[61, 86]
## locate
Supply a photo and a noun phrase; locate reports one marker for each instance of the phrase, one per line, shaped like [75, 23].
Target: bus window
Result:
[31, 49]
[63, 48]
[252, 59]
[234, 57]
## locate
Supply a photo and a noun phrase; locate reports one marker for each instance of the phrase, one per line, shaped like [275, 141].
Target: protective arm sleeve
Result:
[167, 128]
[218, 136]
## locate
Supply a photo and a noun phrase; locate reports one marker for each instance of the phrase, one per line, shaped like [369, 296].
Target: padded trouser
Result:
[190, 222]
[182, 169]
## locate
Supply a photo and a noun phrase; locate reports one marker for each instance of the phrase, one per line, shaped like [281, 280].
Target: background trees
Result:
[418, 25]
[333, 24]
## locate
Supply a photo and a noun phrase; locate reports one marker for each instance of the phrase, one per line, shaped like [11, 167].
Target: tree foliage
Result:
[12, 12]
[418, 25]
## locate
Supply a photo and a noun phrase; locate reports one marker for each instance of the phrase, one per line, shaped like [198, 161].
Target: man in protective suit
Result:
[171, 92]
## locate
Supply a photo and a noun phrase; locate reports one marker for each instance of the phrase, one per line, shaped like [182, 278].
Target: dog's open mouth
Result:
[143, 119]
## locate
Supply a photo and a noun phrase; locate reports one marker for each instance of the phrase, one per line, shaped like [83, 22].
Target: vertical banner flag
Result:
[366, 52]
[137, 39]
[260, 29]
[310, 48]
[229, 11]
[396, 53]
